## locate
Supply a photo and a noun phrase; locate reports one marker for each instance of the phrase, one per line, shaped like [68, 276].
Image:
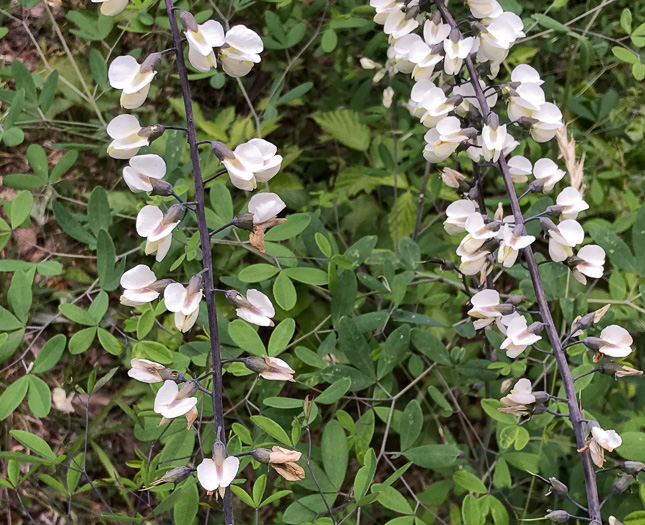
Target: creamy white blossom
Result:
[525, 101]
[456, 51]
[511, 243]
[589, 262]
[457, 213]
[146, 371]
[398, 24]
[520, 168]
[602, 440]
[388, 96]
[219, 472]
[171, 402]
[478, 233]
[467, 91]
[255, 308]
[142, 168]
[125, 131]
[241, 50]
[137, 284]
[157, 228]
[549, 120]
[518, 337]
[493, 140]
[132, 78]
[402, 50]
[616, 341]
[252, 162]
[485, 8]
[111, 7]
[521, 394]
[202, 39]
[486, 308]
[184, 299]
[547, 172]
[500, 34]
[443, 140]
[564, 238]
[571, 202]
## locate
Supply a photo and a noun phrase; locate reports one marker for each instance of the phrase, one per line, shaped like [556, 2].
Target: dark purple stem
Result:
[218, 410]
[565, 373]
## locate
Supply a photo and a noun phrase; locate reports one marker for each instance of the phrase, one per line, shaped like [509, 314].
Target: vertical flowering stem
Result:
[218, 411]
[575, 415]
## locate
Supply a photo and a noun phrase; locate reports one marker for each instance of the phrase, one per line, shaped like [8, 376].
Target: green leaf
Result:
[469, 481]
[49, 91]
[272, 428]
[355, 348]
[104, 380]
[361, 250]
[392, 499]
[490, 406]
[8, 321]
[294, 225]
[311, 276]
[246, 337]
[77, 314]
[334, 392]
[39, 397]
[411, 424]
[23, 79]
[550, 23]
[281, 336]
[284, 292]
[626, 20]
[109, 342]
[82, 340]
[49, 354]
[63, 165]
[335, 453]
[20, 208]
[99, 69]
[13, 396]
[470, 511]
[365, 475]
[295, 93]
[638, 239]
[19, 294]
[617, 250]
[33, 442]
[345, 126]
[37, 158]
[433, 456]
[109, 276]
[99, 307]
[13, 136]
[70, 225]
[329, 40]
[257, 273]
[393, 350]
[98, 210]
[624, 55]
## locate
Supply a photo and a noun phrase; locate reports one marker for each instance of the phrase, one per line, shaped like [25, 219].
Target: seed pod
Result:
[558, 487]
[622, 484]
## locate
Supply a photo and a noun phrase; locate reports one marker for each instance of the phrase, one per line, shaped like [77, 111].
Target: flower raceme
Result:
[252, 162]
[157, 226]
[132, 78]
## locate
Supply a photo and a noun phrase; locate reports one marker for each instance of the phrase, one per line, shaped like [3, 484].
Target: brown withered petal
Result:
[256, 238]
[289, 471]
[191, 416]
[283, 455]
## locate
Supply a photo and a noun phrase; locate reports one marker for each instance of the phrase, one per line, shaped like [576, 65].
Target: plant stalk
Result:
[218, 410]
[575, 416]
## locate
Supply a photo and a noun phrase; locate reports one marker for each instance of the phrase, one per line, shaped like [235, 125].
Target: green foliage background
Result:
[404, 424]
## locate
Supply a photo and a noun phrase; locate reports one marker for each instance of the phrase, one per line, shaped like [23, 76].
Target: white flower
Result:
[572, 203]
[493, 140]
[436, 107]
[519, 167]
[252, 162]
[388, 96]
[384, 8]
[518, 337]
[423, 58]
[157, 228]
[467, 91]
[398, 25]
[184, 299]
[265, 206]
[511, 244]
[62, 401]
[111, 7]
[589, 262]
[255, 308]
[128, 136]
[137, 284]
[202, 38]
[616, 341]
[270, 368]
[525, 100]
[478, 233]
[402, 52]
[419, 90]
[171, 402]
[525, 73]
[134, 79]
[185, 322]
[455, 53]
[547, 171]
[567, 235]
[485, 307]
[242, 50]
[549, 120]
[146, 371]
[602, 439]
[434, 33]
[485, 8]
[500, 35]
[219, 472]
[522, 394]
[142, 168]
[457, 213]
[443, 140]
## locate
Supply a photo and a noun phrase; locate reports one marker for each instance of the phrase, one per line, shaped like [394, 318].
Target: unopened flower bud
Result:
[243, 221]
[631, 467]
[174, 214]
[452, 178]
[262, 455]
[582, 323]
[151, 63]
[152, 132]
[558, 516]
[188, 389]
[188, 21]
[177, 475]
[622, 484]
[554, 210]
[222, 151]
[455, 35]
[368, 63]
[161, 187]
[557, 487]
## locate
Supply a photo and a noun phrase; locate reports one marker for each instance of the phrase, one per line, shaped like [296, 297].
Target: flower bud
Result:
[152, 132]
[368, 63]
[455, 35]
[447, 265]
[554, 210]
[557, 487]
[151, 63]
[631, 467]
[177, 475]
[262, 455]
[582, 323]
[243, 221]
[558, 516]
[453, 179]
[622, 484]
[161, 187]
[188, 389]
[188, 21]
[222, 151]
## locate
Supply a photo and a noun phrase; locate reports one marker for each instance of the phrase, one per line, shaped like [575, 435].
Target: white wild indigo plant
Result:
[454, 63]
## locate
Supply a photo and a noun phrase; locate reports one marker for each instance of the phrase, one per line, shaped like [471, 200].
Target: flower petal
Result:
[174, 297]
[123, 126]
[138, 277]
[148, 220]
